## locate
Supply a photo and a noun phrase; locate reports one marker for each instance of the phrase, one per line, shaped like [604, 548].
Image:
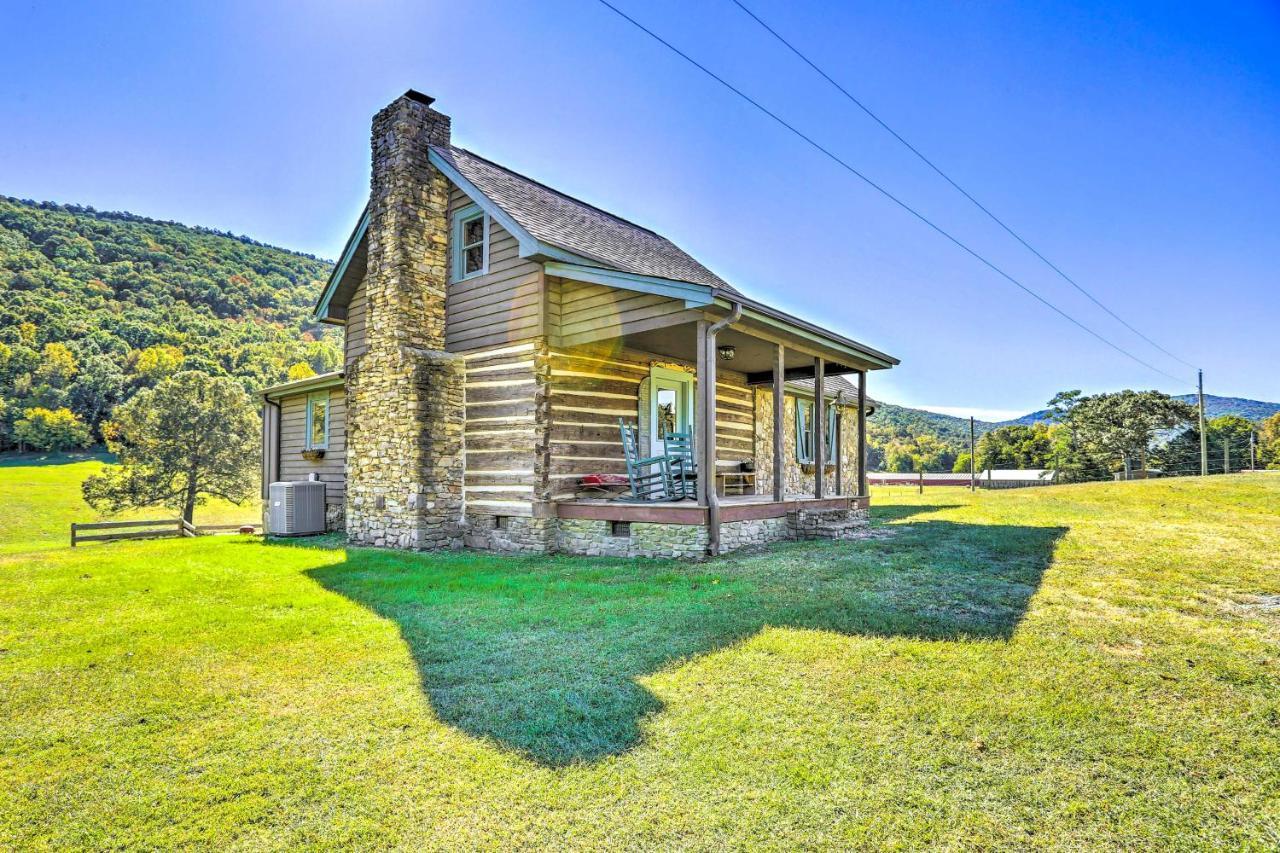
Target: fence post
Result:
[73, 534]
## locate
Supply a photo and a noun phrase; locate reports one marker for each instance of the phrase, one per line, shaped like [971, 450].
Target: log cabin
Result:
[499, 333]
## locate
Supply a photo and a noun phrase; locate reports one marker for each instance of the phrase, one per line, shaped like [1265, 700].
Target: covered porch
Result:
[731, 350]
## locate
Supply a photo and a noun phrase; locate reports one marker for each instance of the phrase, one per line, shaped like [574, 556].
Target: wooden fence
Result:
[161, 528]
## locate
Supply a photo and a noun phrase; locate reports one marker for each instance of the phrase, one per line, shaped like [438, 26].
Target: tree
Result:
[1015, 446]
[1269, 442]
[50, 429]
[1120, 427]
[300, 370]
[58, 365]
[917, 453]
[962, 463]
[191, 437]
[155, 363]
[1233, 432]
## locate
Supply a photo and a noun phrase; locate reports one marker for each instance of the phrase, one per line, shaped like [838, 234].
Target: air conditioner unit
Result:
[296, 509]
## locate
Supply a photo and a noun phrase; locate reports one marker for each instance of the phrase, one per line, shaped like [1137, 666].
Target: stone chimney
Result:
[405, 395]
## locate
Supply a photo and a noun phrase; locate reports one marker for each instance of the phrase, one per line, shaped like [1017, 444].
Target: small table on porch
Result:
[736, 483]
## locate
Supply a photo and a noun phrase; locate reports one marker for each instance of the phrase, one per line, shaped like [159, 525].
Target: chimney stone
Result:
[405, 394]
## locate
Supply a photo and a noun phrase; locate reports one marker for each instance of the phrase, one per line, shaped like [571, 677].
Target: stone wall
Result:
[513, 534]
[690, 541]
[799, 477]
[827, 524]
[405, 394]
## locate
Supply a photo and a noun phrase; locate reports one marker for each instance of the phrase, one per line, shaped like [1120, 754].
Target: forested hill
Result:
[948, 428]
[1214, 407]
[94, 305]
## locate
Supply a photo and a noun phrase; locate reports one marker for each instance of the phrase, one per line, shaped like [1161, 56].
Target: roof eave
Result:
[318, 382]
[876, 360]
[321, 312]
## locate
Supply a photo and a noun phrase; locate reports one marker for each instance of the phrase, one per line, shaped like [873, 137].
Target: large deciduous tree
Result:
[50, 429]
[1015, 446]
[191, 437]
[1120, 427]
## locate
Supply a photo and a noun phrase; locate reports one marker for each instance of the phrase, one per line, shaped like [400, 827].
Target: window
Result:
[471, 242]
[620, 529]
[318, 420]
[804, 433]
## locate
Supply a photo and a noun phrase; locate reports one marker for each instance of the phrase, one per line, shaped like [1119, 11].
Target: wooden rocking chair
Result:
[650, 476]
[684, 470]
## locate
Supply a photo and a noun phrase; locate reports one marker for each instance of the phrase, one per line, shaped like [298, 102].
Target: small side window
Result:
[804, 433]
[471, 243]
[318, 420]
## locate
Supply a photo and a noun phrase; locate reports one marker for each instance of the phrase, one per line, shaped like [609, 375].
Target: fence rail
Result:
[157, 528]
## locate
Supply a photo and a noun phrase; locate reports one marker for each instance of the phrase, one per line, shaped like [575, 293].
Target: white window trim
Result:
[686, 382]
[328, 405]
[471, 211]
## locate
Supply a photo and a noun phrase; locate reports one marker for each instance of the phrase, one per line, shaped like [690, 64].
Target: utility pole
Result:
[973, 460]
[1226, 454]
[1253, 452]
[1204, 438]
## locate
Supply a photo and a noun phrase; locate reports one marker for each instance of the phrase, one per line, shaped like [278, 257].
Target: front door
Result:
[671, 409]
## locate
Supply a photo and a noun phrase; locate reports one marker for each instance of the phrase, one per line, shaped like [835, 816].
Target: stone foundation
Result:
[827, 524]
[516, 535]
[334, 518]
[690, 541]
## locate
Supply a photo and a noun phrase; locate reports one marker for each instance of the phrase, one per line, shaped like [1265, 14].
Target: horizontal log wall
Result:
[591, 388]
[505, 445]
[505, 305]
[293, 431]
[579, 312]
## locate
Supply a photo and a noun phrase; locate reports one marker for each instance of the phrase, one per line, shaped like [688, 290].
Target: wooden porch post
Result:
[707, 463]
[779, 449]
[819, 427]
[862, 433]
[700, 413]
[838, 444]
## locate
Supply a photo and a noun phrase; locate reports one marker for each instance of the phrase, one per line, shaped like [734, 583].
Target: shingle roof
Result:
[830, 384]
[562, 221]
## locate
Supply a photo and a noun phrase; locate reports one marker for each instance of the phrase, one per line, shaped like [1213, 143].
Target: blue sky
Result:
[1136, 145]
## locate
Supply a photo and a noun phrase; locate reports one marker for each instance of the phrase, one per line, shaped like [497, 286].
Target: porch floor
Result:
[732, 508]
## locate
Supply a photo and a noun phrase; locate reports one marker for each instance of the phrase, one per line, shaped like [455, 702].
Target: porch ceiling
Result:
[752, 355]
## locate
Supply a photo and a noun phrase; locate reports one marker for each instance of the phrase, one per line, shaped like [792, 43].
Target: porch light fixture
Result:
[727, 353]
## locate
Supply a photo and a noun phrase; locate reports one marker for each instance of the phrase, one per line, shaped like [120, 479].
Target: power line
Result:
[843, 164]
[997, 220]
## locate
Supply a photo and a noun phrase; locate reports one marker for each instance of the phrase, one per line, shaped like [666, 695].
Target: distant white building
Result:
[1017, 478]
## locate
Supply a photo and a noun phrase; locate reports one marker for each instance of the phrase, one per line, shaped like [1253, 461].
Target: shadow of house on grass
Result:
[543, 654]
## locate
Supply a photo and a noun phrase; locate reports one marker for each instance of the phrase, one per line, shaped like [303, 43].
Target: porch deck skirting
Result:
[618, 529]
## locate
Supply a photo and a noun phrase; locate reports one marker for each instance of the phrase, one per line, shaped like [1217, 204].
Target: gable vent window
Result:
[471, 237]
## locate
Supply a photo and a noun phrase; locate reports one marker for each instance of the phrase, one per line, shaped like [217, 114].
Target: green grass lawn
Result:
[40, 498]
[1081, 666]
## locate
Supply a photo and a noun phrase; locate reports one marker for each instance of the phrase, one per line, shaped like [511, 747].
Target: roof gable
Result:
[558, 220]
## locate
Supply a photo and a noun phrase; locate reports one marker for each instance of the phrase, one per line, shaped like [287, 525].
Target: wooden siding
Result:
[505, 448]
[354, 341]
[579, 313]
[504, 305]
[591, 388]
[332, 468]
